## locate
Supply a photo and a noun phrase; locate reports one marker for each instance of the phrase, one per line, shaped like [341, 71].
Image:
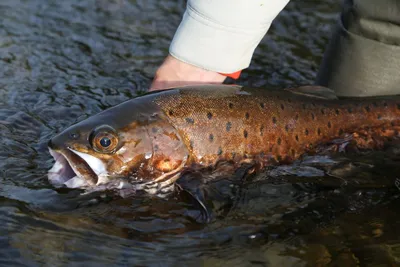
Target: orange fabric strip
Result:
[234, 75]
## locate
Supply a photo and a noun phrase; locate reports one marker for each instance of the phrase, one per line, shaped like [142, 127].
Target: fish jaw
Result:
[96, 165]
[78, 170]
[61, 172]
[75, 170]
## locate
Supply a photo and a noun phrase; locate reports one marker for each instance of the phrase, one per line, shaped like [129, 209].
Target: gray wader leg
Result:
[363, 56]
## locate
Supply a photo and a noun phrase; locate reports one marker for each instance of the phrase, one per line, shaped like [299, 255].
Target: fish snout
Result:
[50, 144]
[55, 144]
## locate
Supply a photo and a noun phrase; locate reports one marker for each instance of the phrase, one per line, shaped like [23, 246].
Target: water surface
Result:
[61, 61]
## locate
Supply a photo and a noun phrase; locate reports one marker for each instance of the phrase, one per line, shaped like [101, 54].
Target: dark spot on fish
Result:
[261, 130]
[219, 151]
[74, 135]
[209, 115]
[367, 108]
[322, 111]
[189, 120]
[230, 105]
[245, 134]
[293, 152]
[383, 129]
[319, 131]
[137, 142]
[379, 116]
[156, 148]
[329, 124]
[270, 149]
[282, 107]
[392, 124]
[297, 138]
[287, 128]
[170, 112]
[313, 116]
[306, 132]
[396, 132]
[274, 120]
[296, 117]
[349, 110]
[233, 155]
[279, 142]
[337, 112]
[154, 130]
[228, 126]
[341, 131]
[262, 105]
[247, 115]
[211, 137]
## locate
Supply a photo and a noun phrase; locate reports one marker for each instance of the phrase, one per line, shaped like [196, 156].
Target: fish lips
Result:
[74, 169]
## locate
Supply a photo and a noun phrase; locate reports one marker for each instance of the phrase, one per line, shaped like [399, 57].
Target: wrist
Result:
[174, 72]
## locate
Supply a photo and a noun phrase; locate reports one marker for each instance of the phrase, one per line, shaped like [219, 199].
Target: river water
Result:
[61, 61]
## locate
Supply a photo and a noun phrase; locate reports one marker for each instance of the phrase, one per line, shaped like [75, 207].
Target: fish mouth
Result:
[75, 169]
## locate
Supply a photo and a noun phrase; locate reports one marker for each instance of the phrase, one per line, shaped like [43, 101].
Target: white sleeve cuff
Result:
[221, 35]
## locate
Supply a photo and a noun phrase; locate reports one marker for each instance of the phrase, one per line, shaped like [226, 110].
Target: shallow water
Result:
[61, 61]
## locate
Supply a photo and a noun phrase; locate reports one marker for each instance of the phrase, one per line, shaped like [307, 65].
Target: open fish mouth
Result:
[75, 169]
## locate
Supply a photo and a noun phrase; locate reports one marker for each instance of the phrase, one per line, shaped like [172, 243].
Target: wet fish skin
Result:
[163, 133]
[269, 124]
[142, 154]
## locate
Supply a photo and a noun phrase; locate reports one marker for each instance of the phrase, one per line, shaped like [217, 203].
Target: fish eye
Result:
[104, 139]
[105, 142]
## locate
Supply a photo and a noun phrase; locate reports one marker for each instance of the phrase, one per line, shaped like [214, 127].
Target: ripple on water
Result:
[61, 61]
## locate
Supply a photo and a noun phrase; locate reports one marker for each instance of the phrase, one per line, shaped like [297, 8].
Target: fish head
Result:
[131, 145]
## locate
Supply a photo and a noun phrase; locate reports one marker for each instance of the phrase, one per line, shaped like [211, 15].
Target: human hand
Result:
[174, 73]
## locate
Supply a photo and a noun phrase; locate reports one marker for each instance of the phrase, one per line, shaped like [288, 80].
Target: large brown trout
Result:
[147, 142]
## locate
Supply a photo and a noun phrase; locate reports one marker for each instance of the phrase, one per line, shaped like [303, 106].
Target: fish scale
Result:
[278, 124]
[153, 139]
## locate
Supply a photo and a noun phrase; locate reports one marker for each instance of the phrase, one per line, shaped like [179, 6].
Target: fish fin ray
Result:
[314, 91]
[198, 198]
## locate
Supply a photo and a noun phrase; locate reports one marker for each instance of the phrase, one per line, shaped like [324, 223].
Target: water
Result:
[61, 61]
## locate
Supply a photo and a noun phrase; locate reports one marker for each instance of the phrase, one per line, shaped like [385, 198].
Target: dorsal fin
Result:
[314, 91]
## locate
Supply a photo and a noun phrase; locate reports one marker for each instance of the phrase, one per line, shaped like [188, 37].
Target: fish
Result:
[148, 142]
